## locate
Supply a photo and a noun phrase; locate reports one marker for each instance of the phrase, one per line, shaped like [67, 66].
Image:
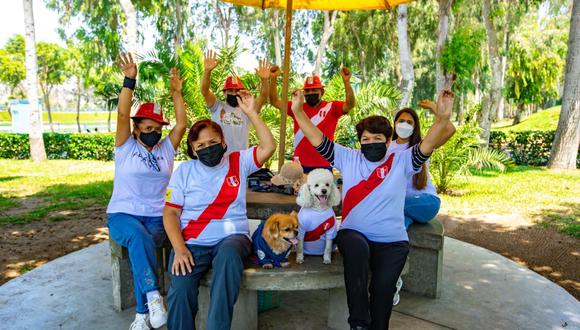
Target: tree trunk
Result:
[37, 151]
[130, 25]
[110, 109]
[565, 147]
[519, 114]
[277, 42]
[79, 94]
[461, 110]
[329, 19]
[46, 99]
[225, 21]
[495, 92]
[442, 34]
[406, 62]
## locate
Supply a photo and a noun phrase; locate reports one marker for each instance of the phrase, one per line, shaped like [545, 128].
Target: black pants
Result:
[385, 261]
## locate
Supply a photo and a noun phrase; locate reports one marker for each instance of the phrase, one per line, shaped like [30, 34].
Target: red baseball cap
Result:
[233, 83]
[151, 111]
[313, 83]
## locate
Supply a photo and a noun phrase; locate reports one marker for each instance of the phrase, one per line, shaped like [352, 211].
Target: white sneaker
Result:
[157, 312]
[141, 322]
[397, 297]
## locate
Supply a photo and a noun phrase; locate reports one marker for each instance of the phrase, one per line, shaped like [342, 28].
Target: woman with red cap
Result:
[143, 167]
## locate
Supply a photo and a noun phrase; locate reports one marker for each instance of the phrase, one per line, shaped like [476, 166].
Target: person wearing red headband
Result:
[143, 167]
[234, 123]
[323, 114]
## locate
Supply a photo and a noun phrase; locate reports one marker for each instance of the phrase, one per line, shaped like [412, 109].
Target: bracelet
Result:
[129, 83]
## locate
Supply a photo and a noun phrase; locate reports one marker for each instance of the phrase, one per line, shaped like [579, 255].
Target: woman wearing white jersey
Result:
[143, 166]
[205, 219]
[372, 238]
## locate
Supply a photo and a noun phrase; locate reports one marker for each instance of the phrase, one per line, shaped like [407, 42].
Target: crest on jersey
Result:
[382, 172]
[261, 254]
[233, 181]
[326, 226]
[156, 109]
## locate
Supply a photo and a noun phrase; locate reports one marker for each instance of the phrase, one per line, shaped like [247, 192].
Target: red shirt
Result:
[325, 116]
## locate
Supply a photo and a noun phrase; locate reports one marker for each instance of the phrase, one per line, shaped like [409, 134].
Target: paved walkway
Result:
[481, 290]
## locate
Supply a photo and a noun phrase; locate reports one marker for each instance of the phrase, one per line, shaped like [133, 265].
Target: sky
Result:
[46, 29]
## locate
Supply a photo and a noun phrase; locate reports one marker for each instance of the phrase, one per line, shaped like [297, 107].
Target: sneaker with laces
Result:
[157, 312]
[141, 322]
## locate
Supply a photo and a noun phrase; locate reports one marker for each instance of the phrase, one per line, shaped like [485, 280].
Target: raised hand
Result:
[345, 74]
[176, 82]
[263, 70]
[210, 60]
[297, 100]
[127, 65]
[429, 105]
[275, 71]
[445, 105]
[247, 102]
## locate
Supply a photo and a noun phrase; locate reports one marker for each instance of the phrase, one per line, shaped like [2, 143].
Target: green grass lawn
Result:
[68, 117]
[552, 197]
[543, 120]
[30, 192]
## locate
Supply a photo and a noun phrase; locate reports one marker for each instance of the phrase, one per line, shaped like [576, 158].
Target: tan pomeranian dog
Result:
[273, 240]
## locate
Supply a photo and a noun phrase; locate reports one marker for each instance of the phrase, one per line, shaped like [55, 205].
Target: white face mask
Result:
[404, 130]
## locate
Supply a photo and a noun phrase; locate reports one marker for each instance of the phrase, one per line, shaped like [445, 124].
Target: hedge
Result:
[525, 147]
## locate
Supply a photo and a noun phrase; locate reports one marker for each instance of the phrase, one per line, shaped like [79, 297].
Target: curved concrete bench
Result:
[422, 275]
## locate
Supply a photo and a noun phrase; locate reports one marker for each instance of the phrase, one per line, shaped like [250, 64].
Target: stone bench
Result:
[422, 276]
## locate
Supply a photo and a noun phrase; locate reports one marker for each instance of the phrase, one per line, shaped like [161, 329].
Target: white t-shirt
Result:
[317, 226]
[138, 188]
[411, 190]
[212, 199]
[379, 215]
[234, 123]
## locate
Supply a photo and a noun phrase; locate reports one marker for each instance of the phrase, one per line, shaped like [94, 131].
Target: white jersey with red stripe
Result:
[411, 190]
[379, 215]
[319, 225]
[216, 195]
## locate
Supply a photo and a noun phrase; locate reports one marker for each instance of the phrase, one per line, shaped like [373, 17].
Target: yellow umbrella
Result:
[313, 5]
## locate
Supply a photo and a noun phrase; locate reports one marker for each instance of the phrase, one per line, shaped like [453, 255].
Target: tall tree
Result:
[565, 147]
[407, 73]
[12, 63]
[130, 25]
[328, 29]
[488, 110]
[52, 71]
[37, 151]
[442, 34]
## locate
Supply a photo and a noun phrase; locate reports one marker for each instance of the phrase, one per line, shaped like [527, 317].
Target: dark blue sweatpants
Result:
[227, 261]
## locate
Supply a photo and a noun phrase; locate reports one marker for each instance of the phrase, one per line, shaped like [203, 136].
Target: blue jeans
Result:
[421, 208]
[227, 260]
[140, 235]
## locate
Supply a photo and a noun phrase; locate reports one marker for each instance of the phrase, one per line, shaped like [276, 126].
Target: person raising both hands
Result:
[143, 167]
[323, 114]
[234, 123]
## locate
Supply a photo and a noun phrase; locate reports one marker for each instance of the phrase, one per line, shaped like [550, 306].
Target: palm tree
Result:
[37, 151]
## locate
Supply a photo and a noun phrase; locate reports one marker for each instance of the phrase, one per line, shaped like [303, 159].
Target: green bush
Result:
[525, 147]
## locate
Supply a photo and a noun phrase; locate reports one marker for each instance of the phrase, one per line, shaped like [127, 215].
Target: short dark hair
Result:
[196, 129]
[375, 125]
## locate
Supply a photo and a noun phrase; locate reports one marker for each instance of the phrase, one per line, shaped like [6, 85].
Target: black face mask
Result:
[312, 99]
[374, 151]
[212, 155]
[150, 139]
[232, 100]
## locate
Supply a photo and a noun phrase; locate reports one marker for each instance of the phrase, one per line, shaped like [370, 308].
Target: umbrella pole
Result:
[285, 82]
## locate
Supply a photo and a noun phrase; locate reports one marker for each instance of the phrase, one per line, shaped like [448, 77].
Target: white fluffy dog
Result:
[317, 220]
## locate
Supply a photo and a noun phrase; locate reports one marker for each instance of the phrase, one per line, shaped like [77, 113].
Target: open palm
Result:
[127, 65]
[210, 60]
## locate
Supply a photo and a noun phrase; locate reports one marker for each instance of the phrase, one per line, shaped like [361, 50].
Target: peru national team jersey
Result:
[212, 199]
[315, 228]
[374, 193]
[325, 117]
[411, 190]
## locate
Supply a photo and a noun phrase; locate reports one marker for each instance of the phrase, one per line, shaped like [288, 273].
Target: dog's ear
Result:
[294, 216]
[305, 198]
[334, 198]
[273, 226]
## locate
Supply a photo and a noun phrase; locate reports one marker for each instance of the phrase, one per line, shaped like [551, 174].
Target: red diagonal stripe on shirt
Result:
[316, 233]
[358, 192]
[218, 208]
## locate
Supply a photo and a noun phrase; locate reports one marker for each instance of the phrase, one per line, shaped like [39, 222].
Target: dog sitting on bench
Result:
[316, 217]
[273, 240]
